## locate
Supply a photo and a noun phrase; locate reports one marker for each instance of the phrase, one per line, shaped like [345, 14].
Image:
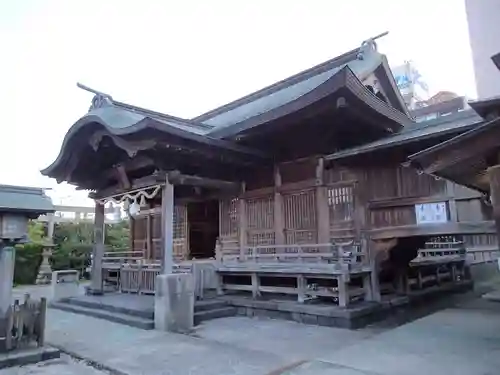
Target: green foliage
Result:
[36, 231]
[73, 247]
[117, 236]
[28, 259]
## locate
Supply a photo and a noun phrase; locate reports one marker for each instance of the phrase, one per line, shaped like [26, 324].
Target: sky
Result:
[187, 57]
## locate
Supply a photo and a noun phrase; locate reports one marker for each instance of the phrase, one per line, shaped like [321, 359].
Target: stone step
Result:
[210, 304]
[222, 312]
[95, 305]
[112, 316]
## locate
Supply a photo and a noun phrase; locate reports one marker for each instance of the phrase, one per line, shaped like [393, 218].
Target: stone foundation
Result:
[353, 317]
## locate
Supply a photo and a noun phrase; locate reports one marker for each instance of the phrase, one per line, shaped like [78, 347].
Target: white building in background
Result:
[410, 83]
[483, 17]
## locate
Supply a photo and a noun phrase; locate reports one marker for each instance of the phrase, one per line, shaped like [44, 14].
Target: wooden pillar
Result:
[242, 209]
[322, 208]
[279, 215]
[167, 221]
[96, 285]
[452, 203]
[494, 178]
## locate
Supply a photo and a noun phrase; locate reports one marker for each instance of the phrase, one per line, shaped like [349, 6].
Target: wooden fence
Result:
[141, 279]
[25, 324]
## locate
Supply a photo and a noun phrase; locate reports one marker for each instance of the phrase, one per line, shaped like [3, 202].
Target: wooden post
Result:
[343, 291]
[494, 178]
[167, 220]
[96, 285]
[242, 223]
[279, 218]
[322, 205]
[452, 203]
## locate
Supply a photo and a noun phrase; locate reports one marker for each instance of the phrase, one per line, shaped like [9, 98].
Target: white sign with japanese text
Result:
[431, 213]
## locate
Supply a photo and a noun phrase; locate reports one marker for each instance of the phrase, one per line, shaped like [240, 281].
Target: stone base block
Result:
[89, 291]
[174, 302]
[64, 284]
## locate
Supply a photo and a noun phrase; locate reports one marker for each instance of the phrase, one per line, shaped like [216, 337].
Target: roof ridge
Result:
[286, 82]
[149, 112]
[102, 99]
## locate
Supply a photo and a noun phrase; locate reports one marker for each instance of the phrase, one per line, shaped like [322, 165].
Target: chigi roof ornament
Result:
[369, 45]
[99, 100]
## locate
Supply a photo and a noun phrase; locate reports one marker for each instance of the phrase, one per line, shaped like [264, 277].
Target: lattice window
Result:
[260, 213]
[229, 217]
[260, 221]
[300, 217]
[341, 203]
[180, 221]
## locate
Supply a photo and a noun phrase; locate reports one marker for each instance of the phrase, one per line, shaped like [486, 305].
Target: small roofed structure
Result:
[29, 201]
[292, 189]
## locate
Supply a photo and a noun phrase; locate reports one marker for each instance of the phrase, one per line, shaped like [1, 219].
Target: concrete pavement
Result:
[464, 339]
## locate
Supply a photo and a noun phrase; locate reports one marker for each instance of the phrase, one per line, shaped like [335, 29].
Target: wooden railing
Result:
[25, 324]
[137, 278]
[141, 278]
[123, 257]
[441, 252]
[483, 254]
[346, 254]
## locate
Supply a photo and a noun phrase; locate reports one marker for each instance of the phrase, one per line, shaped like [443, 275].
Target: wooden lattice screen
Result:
[301, 225]
[341, 203]
[180, 227]
[260, 221]
[229, 217]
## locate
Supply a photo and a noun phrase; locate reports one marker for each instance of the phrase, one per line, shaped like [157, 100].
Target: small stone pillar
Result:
[65, 284]
[174, 302]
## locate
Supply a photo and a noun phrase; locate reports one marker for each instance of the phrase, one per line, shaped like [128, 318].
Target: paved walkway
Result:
[62, 366]
[464, 339]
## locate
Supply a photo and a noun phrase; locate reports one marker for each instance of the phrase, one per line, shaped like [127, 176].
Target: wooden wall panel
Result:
[300, 170]
[392, 216]
[470, 210]
[139, 233]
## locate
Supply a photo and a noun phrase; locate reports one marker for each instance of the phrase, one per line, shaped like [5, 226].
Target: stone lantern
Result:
[17, 206]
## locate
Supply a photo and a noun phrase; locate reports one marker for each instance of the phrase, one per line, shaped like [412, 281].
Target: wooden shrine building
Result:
[297, 189]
